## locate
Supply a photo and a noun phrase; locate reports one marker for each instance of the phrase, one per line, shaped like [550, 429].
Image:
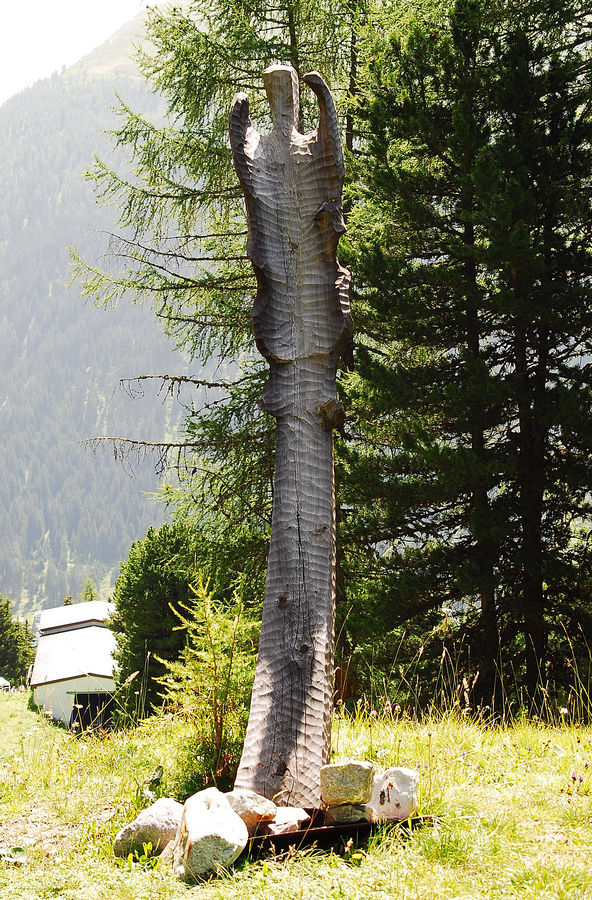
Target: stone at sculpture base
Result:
[347, 782]
[394, 795]
[157, 825]
[211, 830]
[345, 814]
[251, 807]
[288, 820]
[210, 837]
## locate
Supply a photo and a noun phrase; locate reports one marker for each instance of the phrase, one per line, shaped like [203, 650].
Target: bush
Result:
[210, 684]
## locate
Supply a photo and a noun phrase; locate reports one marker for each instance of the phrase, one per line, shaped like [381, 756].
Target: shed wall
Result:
[57, 698]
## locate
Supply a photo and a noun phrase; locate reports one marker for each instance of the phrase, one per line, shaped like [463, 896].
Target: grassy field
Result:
[511, 814]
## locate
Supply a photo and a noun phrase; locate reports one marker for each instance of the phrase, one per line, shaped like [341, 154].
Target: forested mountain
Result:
[65, 513]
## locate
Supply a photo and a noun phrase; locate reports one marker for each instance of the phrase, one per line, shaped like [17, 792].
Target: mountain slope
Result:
[115, 57]
[66, 514]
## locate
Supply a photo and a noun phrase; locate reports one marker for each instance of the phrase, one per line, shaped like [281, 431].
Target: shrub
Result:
[211, 683]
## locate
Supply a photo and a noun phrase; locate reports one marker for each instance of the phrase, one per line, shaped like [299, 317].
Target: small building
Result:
[72, 676]
[4, 684]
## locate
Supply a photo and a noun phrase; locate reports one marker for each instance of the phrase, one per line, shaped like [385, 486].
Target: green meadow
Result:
[505, 812]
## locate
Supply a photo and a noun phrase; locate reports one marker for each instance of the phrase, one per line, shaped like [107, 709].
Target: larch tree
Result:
[181, 244]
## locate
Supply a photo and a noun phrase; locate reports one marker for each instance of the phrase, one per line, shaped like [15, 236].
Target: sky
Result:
[38, 37]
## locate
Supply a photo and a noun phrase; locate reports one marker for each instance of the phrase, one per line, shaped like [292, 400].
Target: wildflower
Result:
[387, 707]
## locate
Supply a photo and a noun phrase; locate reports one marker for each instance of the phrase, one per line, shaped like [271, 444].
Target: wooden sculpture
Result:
[292, 185]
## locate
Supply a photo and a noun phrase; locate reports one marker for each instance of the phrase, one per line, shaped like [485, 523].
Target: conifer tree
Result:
[152, 582]
[464, 467]
[16, 645]
[154, 592]
[182, 244]
[89, 591]
[471, 465]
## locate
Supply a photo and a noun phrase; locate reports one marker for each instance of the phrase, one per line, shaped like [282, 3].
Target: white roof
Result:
[74, 615]
[65, 655]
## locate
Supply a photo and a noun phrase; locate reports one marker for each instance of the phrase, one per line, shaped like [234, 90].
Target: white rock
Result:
[156, 825]
[346, 782]
[168, 854]
[287, 820]
[394, 795]
[252, 807]
[210, 837]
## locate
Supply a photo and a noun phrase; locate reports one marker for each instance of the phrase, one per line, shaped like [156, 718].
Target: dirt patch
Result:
[37, 829]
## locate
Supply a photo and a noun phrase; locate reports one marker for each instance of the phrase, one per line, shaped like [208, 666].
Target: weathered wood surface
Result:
[292, 185]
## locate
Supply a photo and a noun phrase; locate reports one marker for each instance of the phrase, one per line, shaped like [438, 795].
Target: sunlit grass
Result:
[509, 813]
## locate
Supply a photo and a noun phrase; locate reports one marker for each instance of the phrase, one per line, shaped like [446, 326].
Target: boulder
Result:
[347, 782]
[168, 854]
[347, 814]
[394, 795]
[287, 820]
[210, 837]
[252, 807]
[156, 825]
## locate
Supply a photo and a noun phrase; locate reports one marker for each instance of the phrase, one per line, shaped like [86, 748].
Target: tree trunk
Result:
[292, 185]
[486, 646]
[531, 479]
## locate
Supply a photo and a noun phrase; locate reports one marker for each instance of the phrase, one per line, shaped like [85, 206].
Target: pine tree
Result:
[470, 464]
[16, 645]
[155, 586]
[463, 470]
[89, 591]
[152, 582]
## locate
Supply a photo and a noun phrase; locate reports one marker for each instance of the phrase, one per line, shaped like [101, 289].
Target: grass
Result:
[511, 808]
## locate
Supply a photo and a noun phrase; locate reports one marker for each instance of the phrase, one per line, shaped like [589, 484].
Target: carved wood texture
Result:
[292, 185]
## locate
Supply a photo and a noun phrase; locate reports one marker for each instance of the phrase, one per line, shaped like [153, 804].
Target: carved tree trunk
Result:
[292, 185]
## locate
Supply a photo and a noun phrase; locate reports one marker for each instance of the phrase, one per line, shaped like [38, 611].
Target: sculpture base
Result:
[327, 836]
